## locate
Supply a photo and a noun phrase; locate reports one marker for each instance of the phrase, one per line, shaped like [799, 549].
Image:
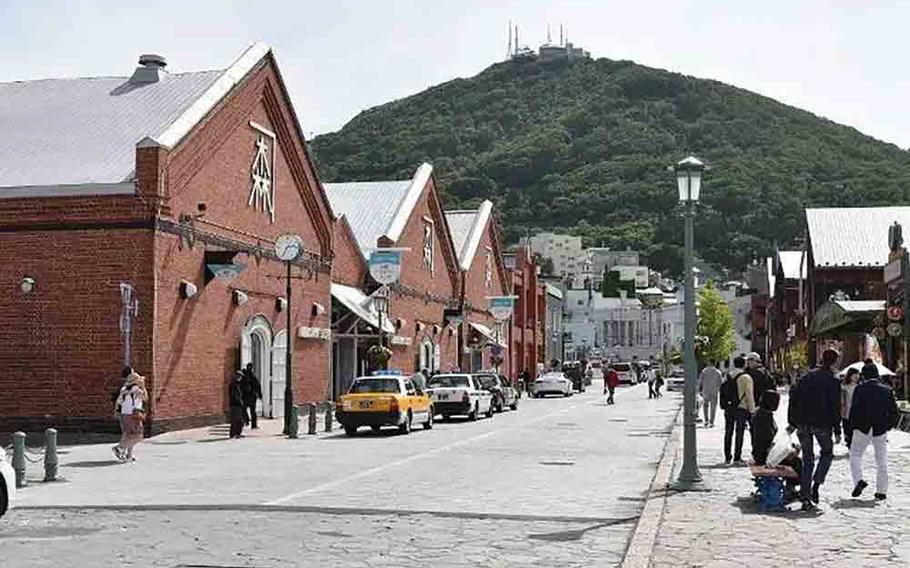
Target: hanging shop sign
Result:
[385, 265]
[895, 313]
[501, 306]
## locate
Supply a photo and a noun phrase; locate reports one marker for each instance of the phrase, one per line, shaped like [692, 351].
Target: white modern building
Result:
[564, 250]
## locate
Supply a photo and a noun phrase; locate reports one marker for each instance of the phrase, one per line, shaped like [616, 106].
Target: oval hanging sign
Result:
[895, 313]
[385, 265]
[501, 307]
[894, 329]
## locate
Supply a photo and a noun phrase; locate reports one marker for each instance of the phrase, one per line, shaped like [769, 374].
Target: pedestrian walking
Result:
[847, 387]
[738, 403]
[252, 391]
[235, 403]
[709, 381]
[873, 412]
[130, 409]
[814, 412]
[611, 381]
[761, 381]
[648, 377]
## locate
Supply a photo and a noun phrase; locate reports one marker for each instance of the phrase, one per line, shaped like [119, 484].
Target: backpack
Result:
[729, 395]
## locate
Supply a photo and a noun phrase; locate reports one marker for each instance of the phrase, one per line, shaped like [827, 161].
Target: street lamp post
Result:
[688, 178]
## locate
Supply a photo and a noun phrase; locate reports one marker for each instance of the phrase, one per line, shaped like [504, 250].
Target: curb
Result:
[641, 544]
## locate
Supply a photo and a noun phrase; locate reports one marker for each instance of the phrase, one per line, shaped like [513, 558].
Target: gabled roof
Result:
[851, 237]
[790, 261]
[377, 209]
[467, 229]
[72, 136]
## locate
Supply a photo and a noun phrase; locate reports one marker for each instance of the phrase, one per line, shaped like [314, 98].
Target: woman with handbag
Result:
[131, 404]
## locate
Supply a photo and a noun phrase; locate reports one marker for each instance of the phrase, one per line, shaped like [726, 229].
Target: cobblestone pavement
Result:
[558, 483]
[723, 527]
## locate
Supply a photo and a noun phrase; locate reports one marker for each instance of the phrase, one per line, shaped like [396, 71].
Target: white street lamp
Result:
[688, 179]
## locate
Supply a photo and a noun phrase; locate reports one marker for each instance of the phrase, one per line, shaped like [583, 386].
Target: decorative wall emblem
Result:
[428, 245]
[262, 186]
[488, 270]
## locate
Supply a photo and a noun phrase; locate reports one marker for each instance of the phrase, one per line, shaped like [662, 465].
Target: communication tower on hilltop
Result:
[548, 51]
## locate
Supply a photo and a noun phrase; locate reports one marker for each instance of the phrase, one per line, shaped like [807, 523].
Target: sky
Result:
[844, 60]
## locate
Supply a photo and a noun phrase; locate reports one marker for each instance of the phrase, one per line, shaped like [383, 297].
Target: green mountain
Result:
[584, 147]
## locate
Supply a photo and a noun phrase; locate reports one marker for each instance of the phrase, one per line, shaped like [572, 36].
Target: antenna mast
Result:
[516, 38]
[560, 35]
[509, 46]
[548, 34]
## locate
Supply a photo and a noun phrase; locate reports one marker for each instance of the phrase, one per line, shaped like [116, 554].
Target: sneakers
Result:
[808, 506]
[858, 490]
[880, 496]
[728, 460]
[814, 495]
[117, 453]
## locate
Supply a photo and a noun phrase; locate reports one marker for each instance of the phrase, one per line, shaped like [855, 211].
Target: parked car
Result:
[384, 400]
[552, 383]
[575, 372]
[7, 483]
[676, 381]
[504, 394]
[626, 374]
[459, 394]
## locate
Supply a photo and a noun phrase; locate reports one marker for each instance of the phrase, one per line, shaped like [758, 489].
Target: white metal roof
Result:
[853, 236]
[71, 136]
[790, 261]
[377, 208]
[360, 305]
[466, 228]
[861, 305]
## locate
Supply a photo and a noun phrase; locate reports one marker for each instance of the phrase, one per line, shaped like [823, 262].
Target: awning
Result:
[837, 314]
[487, 334]
[361, 305]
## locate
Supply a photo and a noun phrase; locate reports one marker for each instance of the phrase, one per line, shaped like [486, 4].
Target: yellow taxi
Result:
[384, 400]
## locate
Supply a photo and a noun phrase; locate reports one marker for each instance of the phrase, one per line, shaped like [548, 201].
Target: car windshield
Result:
[621, 367]
[551, 377]
[448, 381]
[361, 386]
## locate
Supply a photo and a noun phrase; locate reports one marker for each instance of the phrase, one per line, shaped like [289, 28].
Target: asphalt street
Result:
[559, 482]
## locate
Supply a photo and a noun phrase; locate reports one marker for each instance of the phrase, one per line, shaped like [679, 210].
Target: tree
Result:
[611, 285]
[715, 326]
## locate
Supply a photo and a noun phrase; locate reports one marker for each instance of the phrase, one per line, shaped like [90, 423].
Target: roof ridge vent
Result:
[151, 69]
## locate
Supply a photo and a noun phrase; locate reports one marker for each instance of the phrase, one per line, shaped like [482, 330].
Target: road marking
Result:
[409, 459]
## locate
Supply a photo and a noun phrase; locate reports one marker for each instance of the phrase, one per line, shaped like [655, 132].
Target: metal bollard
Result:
[50, 454]
[294, 422]
[328, 417]
[312, 424]
[19, 458]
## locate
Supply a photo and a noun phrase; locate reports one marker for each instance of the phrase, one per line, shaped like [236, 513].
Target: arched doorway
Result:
[257, 347]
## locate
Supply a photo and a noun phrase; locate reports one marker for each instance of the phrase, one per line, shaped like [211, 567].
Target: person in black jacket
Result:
[872, 414]
[761, 382]
[235, 403]
[764, 429]
[814, 412]
[252, 391]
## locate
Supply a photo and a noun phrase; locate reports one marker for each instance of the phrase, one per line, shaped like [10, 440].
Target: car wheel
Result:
[514, 405]
[473, 415]
[428, 425]
[445, 417]
[405, 427]
[350, 430]
[567, 394]
[375, 429]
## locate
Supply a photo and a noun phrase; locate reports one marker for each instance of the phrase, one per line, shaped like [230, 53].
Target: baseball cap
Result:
[753, 356]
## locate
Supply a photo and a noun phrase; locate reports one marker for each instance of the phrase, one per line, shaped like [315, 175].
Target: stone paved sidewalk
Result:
[723, 527]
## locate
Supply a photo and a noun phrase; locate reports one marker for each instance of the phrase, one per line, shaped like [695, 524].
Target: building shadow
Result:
[96, 463]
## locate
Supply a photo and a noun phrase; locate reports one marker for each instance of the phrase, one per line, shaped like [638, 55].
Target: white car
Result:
[551, 383]
[625, 373]
[459, 394]
[7, 483]
[676, 381]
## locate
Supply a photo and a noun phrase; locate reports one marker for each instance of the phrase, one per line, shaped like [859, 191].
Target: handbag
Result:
[780, 449]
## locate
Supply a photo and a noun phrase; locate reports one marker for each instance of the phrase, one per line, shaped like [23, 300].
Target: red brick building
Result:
[526, 338]
[475, 234]
[158, 182]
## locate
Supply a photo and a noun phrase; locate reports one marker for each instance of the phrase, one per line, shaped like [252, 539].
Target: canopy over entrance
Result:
[846, 316]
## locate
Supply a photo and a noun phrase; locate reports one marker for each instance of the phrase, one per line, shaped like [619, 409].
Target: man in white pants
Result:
[872, 414]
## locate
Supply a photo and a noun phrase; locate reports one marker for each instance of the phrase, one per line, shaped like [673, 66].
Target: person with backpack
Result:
[252, 391]
[738, 403]
[761, 381]
[872, 413]
[814, 412]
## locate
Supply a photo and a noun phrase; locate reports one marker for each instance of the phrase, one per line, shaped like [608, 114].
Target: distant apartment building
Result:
[563, 250]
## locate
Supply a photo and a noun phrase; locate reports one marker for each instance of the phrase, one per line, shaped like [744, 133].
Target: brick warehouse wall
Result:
[61, 350]
[198, 340]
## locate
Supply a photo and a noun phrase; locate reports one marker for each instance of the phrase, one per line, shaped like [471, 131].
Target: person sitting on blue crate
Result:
[764, 429]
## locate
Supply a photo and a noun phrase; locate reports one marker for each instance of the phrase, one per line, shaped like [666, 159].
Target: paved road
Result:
[560, 482]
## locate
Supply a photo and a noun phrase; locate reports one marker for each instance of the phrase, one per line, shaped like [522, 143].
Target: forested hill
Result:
[584, 147]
